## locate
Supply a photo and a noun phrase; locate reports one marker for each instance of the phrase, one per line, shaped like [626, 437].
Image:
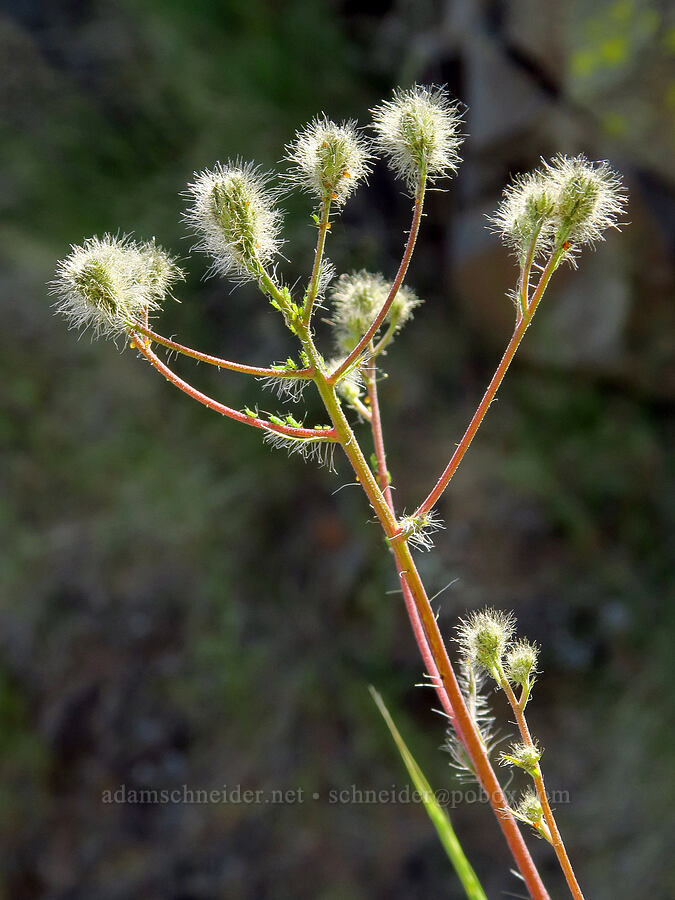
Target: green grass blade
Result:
[436, 813]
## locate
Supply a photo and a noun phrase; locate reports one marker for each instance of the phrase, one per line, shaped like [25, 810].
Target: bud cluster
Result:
[357, 298]
[233, 212]
[110, 283]
[328, 160]
[419, 130]
[484, 637]
[567, 201]
[523, 756]
[418, 530]
[529, 810]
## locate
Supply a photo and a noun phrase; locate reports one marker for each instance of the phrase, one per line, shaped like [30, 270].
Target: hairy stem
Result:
[396, 284]
[489, 395]
[217, 361]
[312, 291]
[446, 676]
[385, 487]
[556, 838]
[170, 375]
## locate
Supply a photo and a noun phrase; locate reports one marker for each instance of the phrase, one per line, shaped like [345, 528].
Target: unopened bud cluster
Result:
[328, 160]
[523, 756]
[486, 639]
[418, 530]
[356, 298]
[529, 810]
[419, 130]
[566, 203]
[112, 283]
[233, 213]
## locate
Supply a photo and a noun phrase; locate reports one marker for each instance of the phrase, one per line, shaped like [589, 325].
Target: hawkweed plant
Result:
[114, 286]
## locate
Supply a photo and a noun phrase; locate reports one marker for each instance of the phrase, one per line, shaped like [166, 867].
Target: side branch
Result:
[522, 325]
[221, 363]
[362, 345]
[328, 434]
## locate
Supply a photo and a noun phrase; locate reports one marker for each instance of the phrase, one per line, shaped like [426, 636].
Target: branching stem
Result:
[518, 708]
[237, 415]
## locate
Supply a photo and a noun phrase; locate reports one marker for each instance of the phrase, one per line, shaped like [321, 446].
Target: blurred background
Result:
[180, 605]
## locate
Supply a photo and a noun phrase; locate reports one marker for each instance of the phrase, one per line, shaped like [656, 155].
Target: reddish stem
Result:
[398, 281]
[538, 778]
[385, 487]
[221, 363]
[522, 325]
[287, 430]
[465, 726]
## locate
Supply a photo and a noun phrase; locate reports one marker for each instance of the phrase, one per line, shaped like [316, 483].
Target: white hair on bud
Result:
[590, 197]
[357, 298]
[328, 160]
[567, 200]
[110, 283]
[419, 130]
[233, 212]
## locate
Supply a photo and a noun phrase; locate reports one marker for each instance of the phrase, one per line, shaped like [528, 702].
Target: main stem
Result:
[538, 778]
[409, 574]
[383, 479]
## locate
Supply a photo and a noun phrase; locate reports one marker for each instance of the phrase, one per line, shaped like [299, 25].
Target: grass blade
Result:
[436, 813]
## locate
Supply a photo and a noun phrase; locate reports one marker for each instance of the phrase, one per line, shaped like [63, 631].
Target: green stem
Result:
[313, 290]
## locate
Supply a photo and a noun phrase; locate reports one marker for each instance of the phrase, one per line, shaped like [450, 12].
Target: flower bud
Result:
[529, 809]
[564, 202]
[520, 662]
[524, 756]
[525, 214]
[109, 283]
[589, 198]
[484, 637]
[418, 130]
[357, 298]
[418, 530]
[328, 160]
[233, 213]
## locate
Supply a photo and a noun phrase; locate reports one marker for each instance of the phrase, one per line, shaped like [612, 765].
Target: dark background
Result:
[181, 605]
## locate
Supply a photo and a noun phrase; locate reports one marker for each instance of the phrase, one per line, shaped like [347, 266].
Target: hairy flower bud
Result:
[418, 130]
[567, 202]
[357, 298]
[109, 283]
[589, 198]
[524, 756]
[520, 662]
[233, 213]
[418, 530]
[484, 637]
[328, 160]
[525, 214]
[529, 809]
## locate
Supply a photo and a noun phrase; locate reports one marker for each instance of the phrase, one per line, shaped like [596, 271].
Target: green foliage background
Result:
[179, 605]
